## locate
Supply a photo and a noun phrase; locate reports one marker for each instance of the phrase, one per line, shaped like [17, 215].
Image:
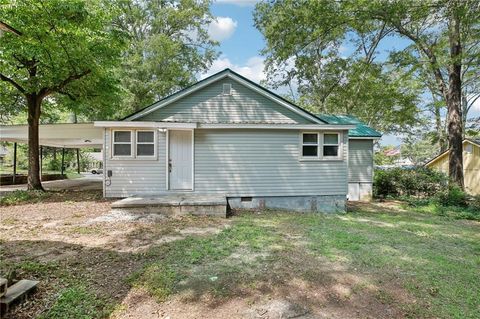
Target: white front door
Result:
[180, 160]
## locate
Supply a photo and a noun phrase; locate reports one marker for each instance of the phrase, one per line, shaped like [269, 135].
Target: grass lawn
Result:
[375, 261]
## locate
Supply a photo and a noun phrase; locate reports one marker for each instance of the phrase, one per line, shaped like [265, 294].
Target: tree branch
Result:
[12, 82]
[62, 84]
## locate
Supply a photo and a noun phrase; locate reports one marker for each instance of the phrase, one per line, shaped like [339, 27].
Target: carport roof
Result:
[67, 135]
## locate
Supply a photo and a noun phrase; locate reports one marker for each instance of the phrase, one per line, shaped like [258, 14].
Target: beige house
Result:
[471, 164]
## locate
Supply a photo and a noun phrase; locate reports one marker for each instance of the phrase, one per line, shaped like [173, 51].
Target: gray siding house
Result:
[226, 135]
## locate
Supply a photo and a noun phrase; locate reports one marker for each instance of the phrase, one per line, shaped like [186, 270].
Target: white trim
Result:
[320, 156]
[167, 159]
[155, 141]
[338, 145]
[328, 127]
[121, 124]
[215, 78]
[112, 145]
[302, 144]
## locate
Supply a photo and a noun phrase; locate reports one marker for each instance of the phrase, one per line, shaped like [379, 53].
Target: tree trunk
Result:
[34, 182]
[454, 101]
[442, 142]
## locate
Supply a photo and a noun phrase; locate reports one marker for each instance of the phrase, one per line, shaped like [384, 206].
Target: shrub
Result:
[419, 182]
[452, 196]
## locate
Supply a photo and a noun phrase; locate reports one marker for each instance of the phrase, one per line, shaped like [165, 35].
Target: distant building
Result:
[471, 164]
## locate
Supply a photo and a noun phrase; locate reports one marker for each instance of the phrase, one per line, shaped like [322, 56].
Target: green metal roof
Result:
[362, 130]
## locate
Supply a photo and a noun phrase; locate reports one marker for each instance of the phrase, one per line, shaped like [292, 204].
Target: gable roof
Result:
[361, 129]
[472, 141]
[215, 77]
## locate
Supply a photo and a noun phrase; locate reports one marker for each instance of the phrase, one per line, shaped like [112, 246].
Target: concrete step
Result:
[15, 293]
[175, 204]
[3, 286]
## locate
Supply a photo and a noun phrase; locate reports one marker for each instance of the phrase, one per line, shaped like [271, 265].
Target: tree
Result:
[435, 28]
[168, 46]
[65, 48]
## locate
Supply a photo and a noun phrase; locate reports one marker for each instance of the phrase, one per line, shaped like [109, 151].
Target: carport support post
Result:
[41, 162]
[14, 177]
[78, 160]
[63, 159]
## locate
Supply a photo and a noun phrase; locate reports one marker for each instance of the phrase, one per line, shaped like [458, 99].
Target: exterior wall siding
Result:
[360, 169]
[360, 161]
[263, 163]
[135, 176]
[237, 163]
[210, 105]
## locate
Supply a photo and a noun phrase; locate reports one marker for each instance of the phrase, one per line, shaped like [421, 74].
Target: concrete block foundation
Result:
[303, 204]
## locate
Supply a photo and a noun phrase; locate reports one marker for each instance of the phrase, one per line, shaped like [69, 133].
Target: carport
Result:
[64, 136]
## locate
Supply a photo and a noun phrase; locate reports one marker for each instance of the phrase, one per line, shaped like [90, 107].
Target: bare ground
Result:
[75, 232]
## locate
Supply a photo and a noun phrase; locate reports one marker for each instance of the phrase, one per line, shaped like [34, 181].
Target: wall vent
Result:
[245, 199]
[227, 89]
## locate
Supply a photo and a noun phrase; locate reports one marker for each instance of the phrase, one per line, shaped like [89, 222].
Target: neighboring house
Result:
[471, 165]
[227, 135]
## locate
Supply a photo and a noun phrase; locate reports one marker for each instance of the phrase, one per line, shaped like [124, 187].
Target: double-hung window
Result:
[310, 145]
[145, 143]
[122, 143]
[317, 146]
[133, 144]
[331, 143]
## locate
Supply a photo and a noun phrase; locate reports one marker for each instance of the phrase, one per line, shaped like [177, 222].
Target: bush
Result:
[419, 182]
[452, 196]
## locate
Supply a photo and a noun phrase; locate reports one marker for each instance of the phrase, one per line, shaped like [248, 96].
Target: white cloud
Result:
[476, 104]
[222, 28]
[242, 3]
[252, 69]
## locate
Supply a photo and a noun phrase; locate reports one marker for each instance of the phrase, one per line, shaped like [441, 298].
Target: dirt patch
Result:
[75, 237]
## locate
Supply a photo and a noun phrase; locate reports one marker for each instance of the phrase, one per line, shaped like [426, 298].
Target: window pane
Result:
[122, 150]
[330, 151]
[145, 150]
[122, 136]
[330, 138]
[309, 151]
[310, 138]
[145, 137]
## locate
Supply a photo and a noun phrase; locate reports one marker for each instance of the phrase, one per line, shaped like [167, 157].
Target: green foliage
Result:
[420, 181]
[76, 302]
[68, 49]
[453, 195]
[21, 196]
[168, 46]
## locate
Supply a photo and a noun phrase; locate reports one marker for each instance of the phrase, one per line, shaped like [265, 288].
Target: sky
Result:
[241, 44]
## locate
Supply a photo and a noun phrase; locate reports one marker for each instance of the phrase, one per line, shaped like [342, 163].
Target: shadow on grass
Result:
[249, 260]
[22, 197]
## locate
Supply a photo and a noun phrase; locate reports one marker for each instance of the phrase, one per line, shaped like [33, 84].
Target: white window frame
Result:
[132, 154]
[339, 145]
[133, 145]
[306, 158]
[320, 143]
[146, 143]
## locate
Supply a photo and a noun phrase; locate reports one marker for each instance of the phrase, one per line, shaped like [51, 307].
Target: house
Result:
[471, 164]
[228, 136]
